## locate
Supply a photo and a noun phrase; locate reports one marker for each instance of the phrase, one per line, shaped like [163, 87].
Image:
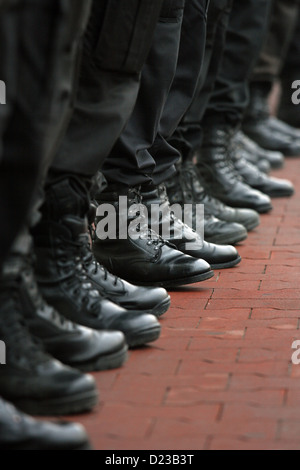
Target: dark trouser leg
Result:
[226, 106]
[271, 133]
[291, 64]
[36, 29]
[189, 66]
[115, 48]
[188, 134]
[130, 161]
[231, 52]
[68, 57]
[245, 34]
[283, 22]
[8, 50]
[30, 35]
[287, 110]
[230, 97]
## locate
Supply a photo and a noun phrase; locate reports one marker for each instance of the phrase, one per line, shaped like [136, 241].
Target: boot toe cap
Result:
[249, 218]
[221, 257]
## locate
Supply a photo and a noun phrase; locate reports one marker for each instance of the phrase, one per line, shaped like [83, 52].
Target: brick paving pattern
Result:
[221, 375]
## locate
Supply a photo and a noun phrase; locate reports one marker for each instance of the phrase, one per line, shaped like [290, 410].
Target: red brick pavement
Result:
[221, 375]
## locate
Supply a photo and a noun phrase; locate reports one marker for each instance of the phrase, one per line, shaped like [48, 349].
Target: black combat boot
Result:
[31, 379]
[19, 431]
[154, 300]
[273, 187]
[186, 188]
[183, 236]
[145, 258]
[266, 130]
[216, 168]
[265, 160]
[61, 272]
[74, 345]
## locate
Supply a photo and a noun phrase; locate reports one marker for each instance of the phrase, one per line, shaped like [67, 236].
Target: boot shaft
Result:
[65, 195]
[258, 108]
[187, 187]
[218, 137]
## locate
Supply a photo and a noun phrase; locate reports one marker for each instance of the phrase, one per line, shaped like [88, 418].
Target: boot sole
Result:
[140, 338]
[290, 154]
[227, 240]
[281, 194]
[249, 226]
[110, 361]
[67, 405]
[262, 209]
[276, 166]
[162, 308]
[38, 446]
[178, 282]
[229, 264]
[159, 310]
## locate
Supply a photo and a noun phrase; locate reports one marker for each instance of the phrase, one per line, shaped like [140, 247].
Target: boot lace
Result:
[37, 299]
[77, 280]
[90, 264]
[145, 233]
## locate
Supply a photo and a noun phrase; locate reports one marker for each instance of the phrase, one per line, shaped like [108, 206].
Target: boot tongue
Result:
[259, 106]
[192, 178]
[64, 196]
[218, 137]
